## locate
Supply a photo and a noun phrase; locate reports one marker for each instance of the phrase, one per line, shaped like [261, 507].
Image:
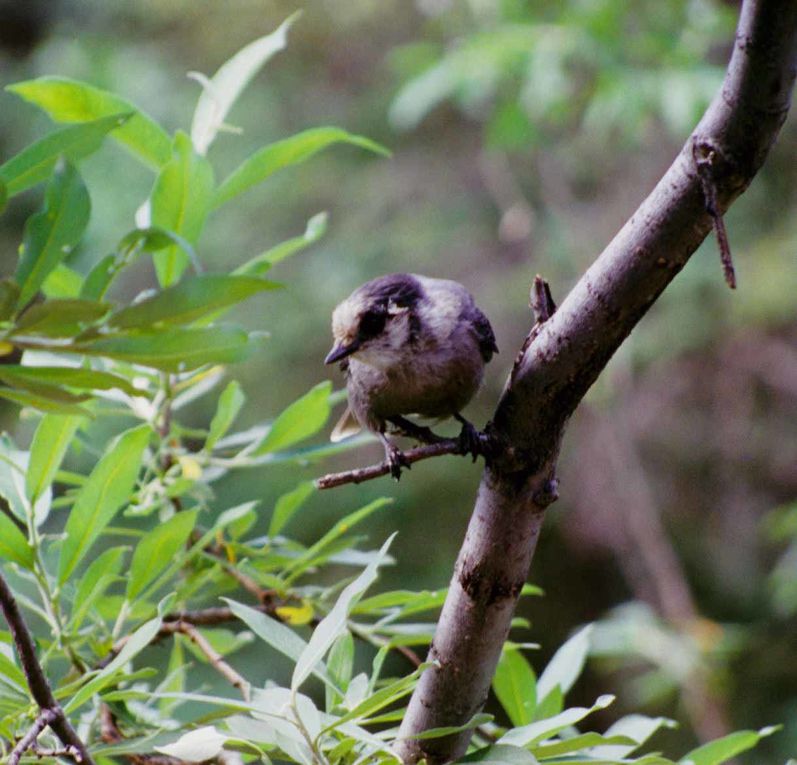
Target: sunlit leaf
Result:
[727, 747]
[301, 419]
[222, 90]
[100, 574]
[188, 301]
[72, 101]
[50, 442]
[180, 201]
[196, 745]
[51, 234]
[107, 489]
[566, 665]
[285, 153]
[230, 402]
[35, 162]
[501, 754]
[515, 686]
[334, 623]
[287, 505]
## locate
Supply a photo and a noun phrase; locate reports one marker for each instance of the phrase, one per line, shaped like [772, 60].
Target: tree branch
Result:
[565, 356]
[51, 712]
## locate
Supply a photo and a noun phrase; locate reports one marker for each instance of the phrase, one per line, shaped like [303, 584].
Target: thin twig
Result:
[214, 657]
[46, 716]
[705, 157]
[37, 682]
[358, 475]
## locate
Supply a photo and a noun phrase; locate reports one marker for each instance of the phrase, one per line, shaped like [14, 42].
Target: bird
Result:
[409, 345]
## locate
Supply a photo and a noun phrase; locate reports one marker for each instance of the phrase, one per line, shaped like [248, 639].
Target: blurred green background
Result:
[523, 135]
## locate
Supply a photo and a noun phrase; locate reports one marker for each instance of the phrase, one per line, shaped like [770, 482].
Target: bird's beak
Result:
[340, 351]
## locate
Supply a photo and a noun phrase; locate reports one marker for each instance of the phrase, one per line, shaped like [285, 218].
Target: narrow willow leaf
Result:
[180, 202]
[179, 349]
[637, 727]
[302, 419]
[47, 398]
[13, 544]
[727, 747]
[313, 554]
[287, 505]
[341, 668]
[285, 153]
[277, 635]
[231, 400]
[501, 754]
[334, 623]
[51, 234]
[536, 731]
[316, 228]
[196, 746]
[50, 442]
[566, 665]
[553, 748]
[157, 549]
[221, 92]
[71, 377]
[72, 101]
[474, 722]
[188, 301]
[9, 295]
[137, 642]
[13, 469]
[515, 686]
[100, 574]
[35, 162]
[59, 318]
[107, 489]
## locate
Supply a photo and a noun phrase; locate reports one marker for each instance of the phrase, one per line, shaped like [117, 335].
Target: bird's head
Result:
[376, 323]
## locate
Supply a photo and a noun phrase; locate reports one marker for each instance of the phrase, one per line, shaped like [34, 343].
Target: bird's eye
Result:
[372, 323]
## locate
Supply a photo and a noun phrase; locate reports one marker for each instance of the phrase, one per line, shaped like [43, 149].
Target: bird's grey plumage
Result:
[409, 344]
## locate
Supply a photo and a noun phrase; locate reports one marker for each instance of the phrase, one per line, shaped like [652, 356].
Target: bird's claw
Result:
[470, 440]
[396, 459]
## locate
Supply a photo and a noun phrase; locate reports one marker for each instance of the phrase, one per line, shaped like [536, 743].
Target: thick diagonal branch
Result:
[566, 356]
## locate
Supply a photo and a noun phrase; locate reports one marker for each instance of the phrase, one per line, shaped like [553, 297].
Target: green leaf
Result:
[302, 419]
[9, 295]
[334, 623]
[100, 574]
[72, 101]
[566, 665]
[179, 349]
[50, 442]
[637, 727]
[51, 234]
[277, 635]
[197, 745]
[340, 666]
[316, 228]
[137, 642]
[188, 301]
[13, 469]
[723, 749]
[62, 282]
[536, 731]
[13, 544]
[180, 202]
[448, 730]
[46, 398]
[59, 318]
[285, 153]
[220, 93]
[553, 748]
[316, 552]
[515, 686]
[501, 754]
[35, 162]
[405, 601]
[108, 488]
[157, 549]
[287, 505]
[231, 400]
[71, 377]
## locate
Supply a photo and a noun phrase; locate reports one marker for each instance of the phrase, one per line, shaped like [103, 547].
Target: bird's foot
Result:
[410, 429]
[471, 441]
[395, 458]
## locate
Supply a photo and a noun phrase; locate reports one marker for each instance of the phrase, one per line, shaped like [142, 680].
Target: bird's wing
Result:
[345, 427]
[484, 334]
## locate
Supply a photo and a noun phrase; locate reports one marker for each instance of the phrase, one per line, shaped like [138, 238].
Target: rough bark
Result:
[566, 356]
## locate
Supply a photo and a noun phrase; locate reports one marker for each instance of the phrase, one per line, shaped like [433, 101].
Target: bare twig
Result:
[37, 682]
[46, 716]
[705, 156]
[330, 481]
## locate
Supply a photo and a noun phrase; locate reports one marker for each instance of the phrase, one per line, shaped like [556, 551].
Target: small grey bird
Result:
[409, 344]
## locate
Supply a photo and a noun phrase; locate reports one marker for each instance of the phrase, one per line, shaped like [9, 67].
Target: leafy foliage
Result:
[89, 363]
